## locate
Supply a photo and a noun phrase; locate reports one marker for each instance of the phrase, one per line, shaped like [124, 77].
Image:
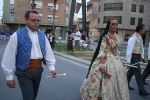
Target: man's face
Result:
[33, 21]
[142, 31]
[113, 26]
[77, 29]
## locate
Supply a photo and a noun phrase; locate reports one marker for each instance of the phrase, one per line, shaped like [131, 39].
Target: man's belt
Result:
[135, 54]
[34, 64]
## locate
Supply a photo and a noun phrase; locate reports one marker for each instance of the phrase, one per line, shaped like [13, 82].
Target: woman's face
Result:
[113, 26]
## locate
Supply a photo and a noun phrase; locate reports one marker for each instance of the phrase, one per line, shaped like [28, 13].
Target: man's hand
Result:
[11, 83]
[54, 73]
[128, 64]
[144, 60]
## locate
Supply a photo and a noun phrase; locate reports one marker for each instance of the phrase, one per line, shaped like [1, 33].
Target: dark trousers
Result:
[136, 72]
[29, 82]
[146, 71]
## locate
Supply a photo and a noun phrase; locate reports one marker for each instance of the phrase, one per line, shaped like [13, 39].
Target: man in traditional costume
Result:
[27, 49]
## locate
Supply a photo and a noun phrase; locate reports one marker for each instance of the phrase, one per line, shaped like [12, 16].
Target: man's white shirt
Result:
[77, 37]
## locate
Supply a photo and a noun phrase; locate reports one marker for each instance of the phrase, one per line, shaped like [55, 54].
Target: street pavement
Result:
[63, 87]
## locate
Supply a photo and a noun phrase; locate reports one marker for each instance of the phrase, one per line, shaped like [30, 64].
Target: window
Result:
[132, 21]
[38, 4]
[11, 16]
[98, 20]
[141, 9]
[118, 18]
[99, 8]
[50, 18]
[51, 6]
[67, 20]
[140, 21]
[57, 6]
[66, 10]
[113, 6]
[40, 15]
[12, 6]
[56, 18]
[133, 8]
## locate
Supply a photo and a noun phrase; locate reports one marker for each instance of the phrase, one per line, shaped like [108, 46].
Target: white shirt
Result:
[9, 57]
[77, 37]
[130, 46]
[59, 38]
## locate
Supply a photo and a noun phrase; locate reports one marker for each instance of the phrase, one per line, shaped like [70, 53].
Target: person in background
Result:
[1, 36]
[106, 78]
[147, 69]
[134, 54]
[77, 38]
[52, 39]
[83, 39]
[59, 39]
[87, 42]
[70, 43]
[26, 50]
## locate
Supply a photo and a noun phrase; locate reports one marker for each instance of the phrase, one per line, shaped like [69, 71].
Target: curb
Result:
[86, 62]
[72, 58]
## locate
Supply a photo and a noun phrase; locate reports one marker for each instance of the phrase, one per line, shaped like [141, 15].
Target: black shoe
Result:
[131, 88]
[145, 83]
[144, 93]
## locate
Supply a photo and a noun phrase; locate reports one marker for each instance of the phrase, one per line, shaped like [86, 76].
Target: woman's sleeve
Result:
[102, 51]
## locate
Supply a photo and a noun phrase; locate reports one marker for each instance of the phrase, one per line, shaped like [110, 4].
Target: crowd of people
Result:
[5, 35]
[81, 41]
[106, 78]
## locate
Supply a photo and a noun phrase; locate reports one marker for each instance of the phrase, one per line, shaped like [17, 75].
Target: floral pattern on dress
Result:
[98, 85]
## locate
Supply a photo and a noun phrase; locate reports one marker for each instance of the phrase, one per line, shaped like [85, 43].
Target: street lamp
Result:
[54, 11]
[19, 15]
[64, 21]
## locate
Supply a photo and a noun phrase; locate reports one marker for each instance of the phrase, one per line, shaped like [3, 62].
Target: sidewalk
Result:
[86, 62]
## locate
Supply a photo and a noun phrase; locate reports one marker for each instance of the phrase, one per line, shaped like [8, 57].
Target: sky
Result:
[1, 5]
[78, 15]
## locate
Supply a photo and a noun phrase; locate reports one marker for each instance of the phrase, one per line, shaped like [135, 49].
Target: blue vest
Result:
[24, 48]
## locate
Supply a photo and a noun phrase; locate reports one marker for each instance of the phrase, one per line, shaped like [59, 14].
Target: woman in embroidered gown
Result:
[97, 85]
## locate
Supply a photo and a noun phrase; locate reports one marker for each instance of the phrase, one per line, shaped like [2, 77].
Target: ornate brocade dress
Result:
[97, 85]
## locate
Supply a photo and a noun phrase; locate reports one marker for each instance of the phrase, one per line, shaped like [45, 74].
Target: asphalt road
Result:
[60, 88]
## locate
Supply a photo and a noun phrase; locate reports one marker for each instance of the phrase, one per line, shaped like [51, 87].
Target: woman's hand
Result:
[102, 69]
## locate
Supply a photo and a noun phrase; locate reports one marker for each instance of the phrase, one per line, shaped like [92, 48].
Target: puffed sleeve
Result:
[102, 51]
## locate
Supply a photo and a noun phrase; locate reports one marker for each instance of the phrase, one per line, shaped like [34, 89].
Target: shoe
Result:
[145, 83]
[144, 93]
[131, 88]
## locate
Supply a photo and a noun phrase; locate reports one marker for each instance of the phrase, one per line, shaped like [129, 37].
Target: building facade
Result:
[92, 17]
[129, 14]
[14, 11]
[92, 9]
